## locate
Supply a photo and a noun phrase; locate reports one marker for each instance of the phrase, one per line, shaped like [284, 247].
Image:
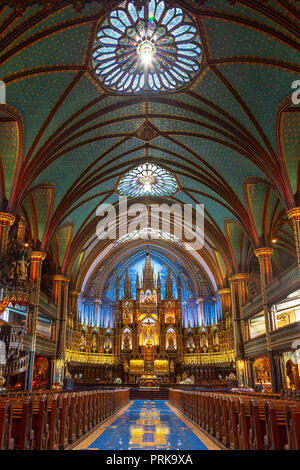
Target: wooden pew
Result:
[22, 431]
[94, 408]
[72, 417]
[53, 422]
[218, 417]
[85, 412]
[89, 411]
[6, 441]
[293, 426]
[79, 414]
[206, 411]
[240, 421]
[64, 419]
[225, 421]
[211, 414]
[258, 425]
[276, 432]
[39, 422]
[233, 422]
[244, 423]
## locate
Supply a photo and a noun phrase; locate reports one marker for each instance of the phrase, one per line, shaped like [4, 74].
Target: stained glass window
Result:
[147, 180]
[149, 233]
[154, 49]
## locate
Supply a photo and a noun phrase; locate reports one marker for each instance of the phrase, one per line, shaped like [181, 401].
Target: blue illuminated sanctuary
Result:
[152, 308]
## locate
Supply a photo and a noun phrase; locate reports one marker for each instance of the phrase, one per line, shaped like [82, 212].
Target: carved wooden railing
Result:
[16, 366]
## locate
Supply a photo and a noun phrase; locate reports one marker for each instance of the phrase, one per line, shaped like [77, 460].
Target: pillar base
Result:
[28, 386]
[274, 376]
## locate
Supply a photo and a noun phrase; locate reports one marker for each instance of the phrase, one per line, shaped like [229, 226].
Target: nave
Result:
[147, 425]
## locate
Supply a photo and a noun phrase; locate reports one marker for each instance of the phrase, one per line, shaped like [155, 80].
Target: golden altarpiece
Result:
[149, 331]
[149, 340]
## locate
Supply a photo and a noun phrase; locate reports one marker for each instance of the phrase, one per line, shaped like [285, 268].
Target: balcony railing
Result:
[88, 357]
[207, 358]
[16, 366]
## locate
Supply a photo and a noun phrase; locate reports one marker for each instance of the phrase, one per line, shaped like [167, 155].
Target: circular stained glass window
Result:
[154, 49]
[147, 180]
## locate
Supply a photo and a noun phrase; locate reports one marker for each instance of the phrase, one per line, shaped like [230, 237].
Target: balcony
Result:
[278, 289]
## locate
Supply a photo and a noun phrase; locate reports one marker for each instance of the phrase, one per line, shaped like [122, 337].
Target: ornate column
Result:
[63, 326]
[238, 292]
[294, 216]
[37, 258]
[264, 255]
[264, 259]
[6, 221]
[200, 309]
[225, 294]
[97, 311]
[61, 299]
[57, 301]
[75, 301]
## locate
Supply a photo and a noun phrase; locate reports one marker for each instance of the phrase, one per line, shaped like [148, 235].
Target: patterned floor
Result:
[147, 425]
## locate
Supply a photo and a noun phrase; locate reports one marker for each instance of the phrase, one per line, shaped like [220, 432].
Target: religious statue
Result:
[82, 341]
[13, 270]
[107, 343]
[170, 338]
[23, 270]
[126, 341]
[190, 342]
[94, 342]
[2, 382]
[216, 337]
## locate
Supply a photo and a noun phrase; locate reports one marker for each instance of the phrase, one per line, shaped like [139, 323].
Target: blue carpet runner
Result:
[147, 425]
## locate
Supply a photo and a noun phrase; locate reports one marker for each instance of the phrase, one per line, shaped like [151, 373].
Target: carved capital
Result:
[6, 219]
[60, 278]
[38, 256]
[239, 277]
[294, 214]
[225, 290]
[264, 252]
[75, 293]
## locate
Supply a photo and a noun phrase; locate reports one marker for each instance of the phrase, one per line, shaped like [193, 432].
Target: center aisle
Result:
[147, 425]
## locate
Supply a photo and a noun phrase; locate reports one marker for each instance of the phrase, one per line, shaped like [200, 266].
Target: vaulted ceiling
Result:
[232, 138]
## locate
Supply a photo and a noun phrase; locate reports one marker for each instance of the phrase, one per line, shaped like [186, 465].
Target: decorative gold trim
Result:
[60, 278]
[264, 252]
[225, 290]
[209, 358]
[294, 214]
[38, 256]
[239, 277]
[7, 219]
[88, 357]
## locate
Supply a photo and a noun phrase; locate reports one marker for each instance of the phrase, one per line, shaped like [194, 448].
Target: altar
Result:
[149, 380]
